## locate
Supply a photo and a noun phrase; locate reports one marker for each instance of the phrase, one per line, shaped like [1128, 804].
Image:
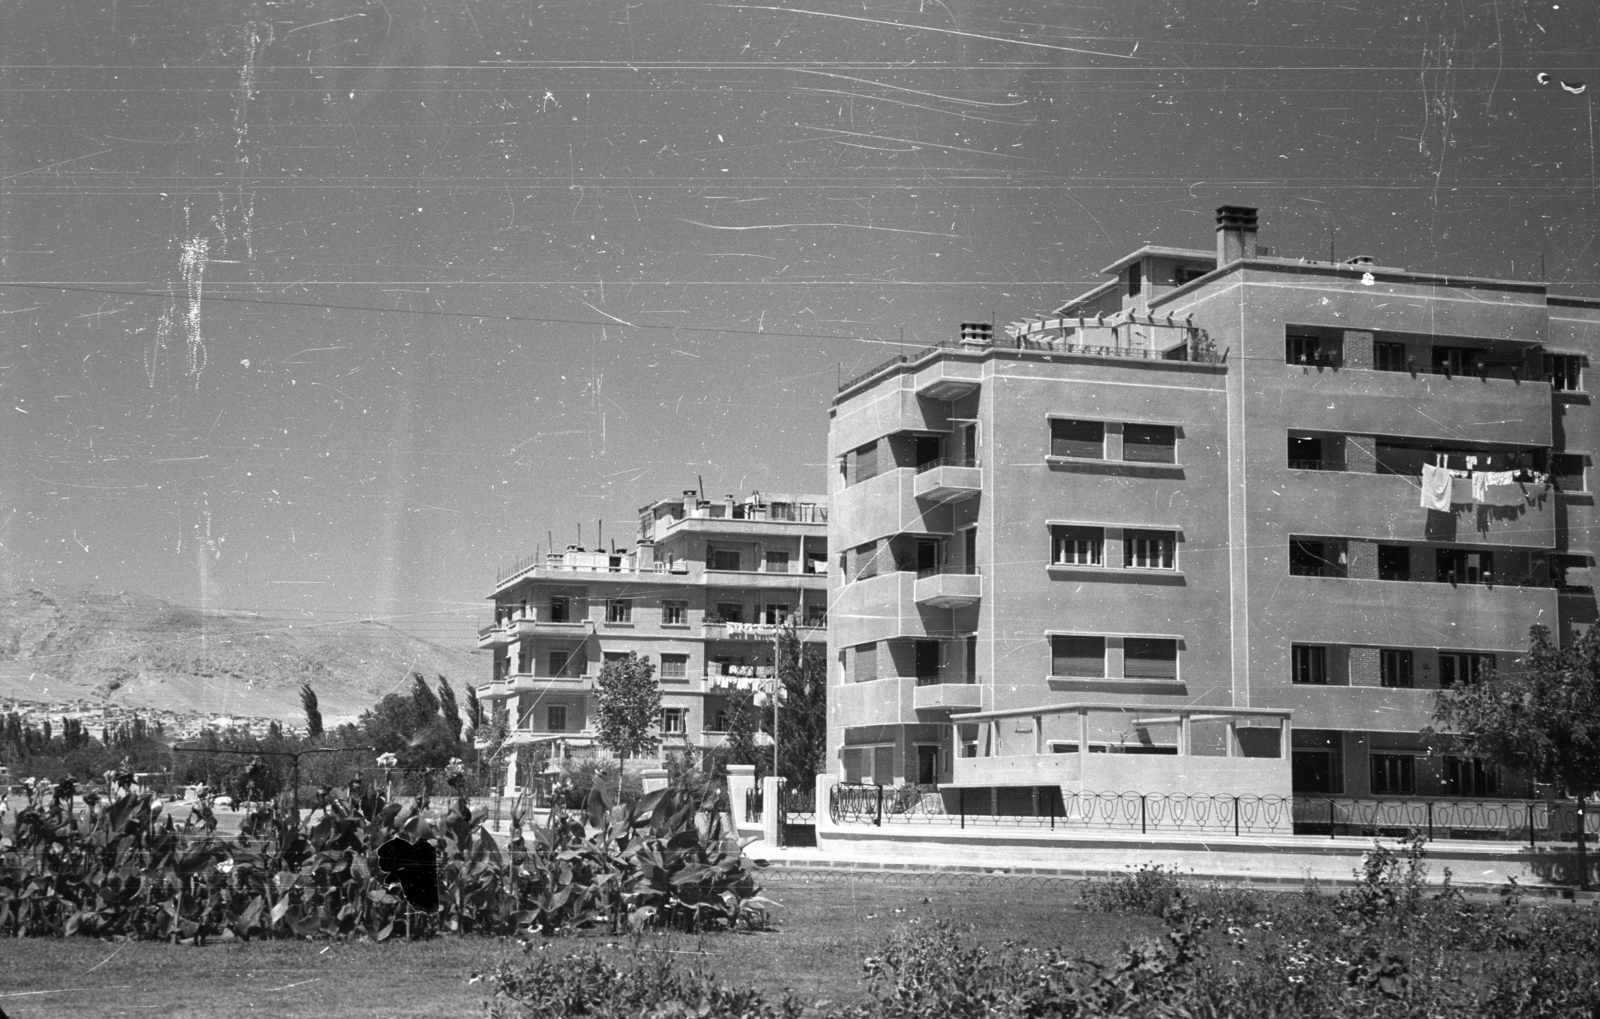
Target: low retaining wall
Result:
[1289, 859]
[1277, 859]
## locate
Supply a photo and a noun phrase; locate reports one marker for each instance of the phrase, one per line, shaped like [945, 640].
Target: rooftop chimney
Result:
[977, 334]
[1236, 233]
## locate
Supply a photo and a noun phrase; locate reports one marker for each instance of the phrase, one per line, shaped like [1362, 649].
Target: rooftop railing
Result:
[1133, 337]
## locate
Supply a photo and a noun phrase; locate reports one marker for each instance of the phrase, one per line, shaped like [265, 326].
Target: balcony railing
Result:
[947, 461]
[1317, 465]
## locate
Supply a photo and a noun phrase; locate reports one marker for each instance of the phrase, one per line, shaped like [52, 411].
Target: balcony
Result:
[938, 696]
[1384, 507]
[943, 587]
[1408, 613]
[1017, 755]
[948, 379]
[510, 631]
[494, 690]
[948, 479]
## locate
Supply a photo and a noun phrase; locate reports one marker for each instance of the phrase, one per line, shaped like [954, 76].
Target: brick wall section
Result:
[1357, 349]
[1363, 560]
[1361, 454]
[1364, 668]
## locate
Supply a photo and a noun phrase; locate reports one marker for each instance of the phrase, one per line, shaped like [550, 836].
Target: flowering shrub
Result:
[125, 868]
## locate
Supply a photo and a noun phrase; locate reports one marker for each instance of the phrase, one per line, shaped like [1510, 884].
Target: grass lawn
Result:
[826, 927]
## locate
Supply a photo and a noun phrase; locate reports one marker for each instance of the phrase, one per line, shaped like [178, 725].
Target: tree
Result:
[1542, 719]
[802, 725]
[628, 706]
[308, 700]
[449, 711]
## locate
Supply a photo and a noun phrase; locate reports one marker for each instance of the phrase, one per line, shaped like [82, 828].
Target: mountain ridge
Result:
[131, 650]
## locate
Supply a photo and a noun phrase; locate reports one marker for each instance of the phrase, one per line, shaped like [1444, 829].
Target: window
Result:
[1305, 452]
[816, 615]
[1395, 669]
[567, 662]
[1393, 774]
[1135, 279]
[674, 721]
[619, 610]
[1571, 572]
[674, 666]
[816, 562]
[1309, 664]
[1188, 274]
[863, 463]
[1565, 372]
[720, 723]
[1462, 667]
[1149, 658]
[1471, 776]
[1449, 361]
[927, 659]
[1151, 444]
[1077, 656]
[777, 562]
[1316, 771]
[1458, 566]
[730, 612]
[1077, 546]
[776, 614]
[865, 660]
[674, 613]
[1389, 356]
[1566, 471]
[1085, 440]
[1394, 562]
[561, 610]
[1313, 557]
[1147, 550]
[555, 718]
[524, 656]
[722, 559]
[1311, 349]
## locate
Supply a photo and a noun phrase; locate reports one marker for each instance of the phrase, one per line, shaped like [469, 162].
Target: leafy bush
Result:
[1151, 889]
[125, 868]
[1387, 948]
[584, 984]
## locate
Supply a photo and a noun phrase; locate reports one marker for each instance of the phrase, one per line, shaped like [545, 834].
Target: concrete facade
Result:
[1185, 506]
[701, 595]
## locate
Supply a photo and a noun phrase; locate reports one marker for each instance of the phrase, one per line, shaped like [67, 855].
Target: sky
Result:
[339, 307]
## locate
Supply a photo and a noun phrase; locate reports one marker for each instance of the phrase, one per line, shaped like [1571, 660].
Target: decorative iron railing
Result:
[799, 805]
[754, 800]
[1149, 813]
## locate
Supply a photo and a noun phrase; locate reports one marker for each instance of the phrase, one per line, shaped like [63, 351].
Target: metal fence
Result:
[1045, 807]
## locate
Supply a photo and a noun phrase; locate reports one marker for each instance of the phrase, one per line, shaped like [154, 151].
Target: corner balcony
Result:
[934, 695]
[948, 379]
[494, 690]
[944, 588]
[512, 630]
[948, 479]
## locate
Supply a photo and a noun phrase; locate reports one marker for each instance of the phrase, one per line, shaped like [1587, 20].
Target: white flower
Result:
[387, 760]
[225, 867]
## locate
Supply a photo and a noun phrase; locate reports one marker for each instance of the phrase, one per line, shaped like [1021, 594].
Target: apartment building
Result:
[1170, 536]
[701, 595]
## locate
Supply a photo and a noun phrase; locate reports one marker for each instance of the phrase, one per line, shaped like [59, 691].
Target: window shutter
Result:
[1077, 656]
[1084, 439]
[1149, 658]
[1149, 443]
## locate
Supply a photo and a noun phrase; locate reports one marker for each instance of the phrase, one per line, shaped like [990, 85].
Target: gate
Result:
[797, 816]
